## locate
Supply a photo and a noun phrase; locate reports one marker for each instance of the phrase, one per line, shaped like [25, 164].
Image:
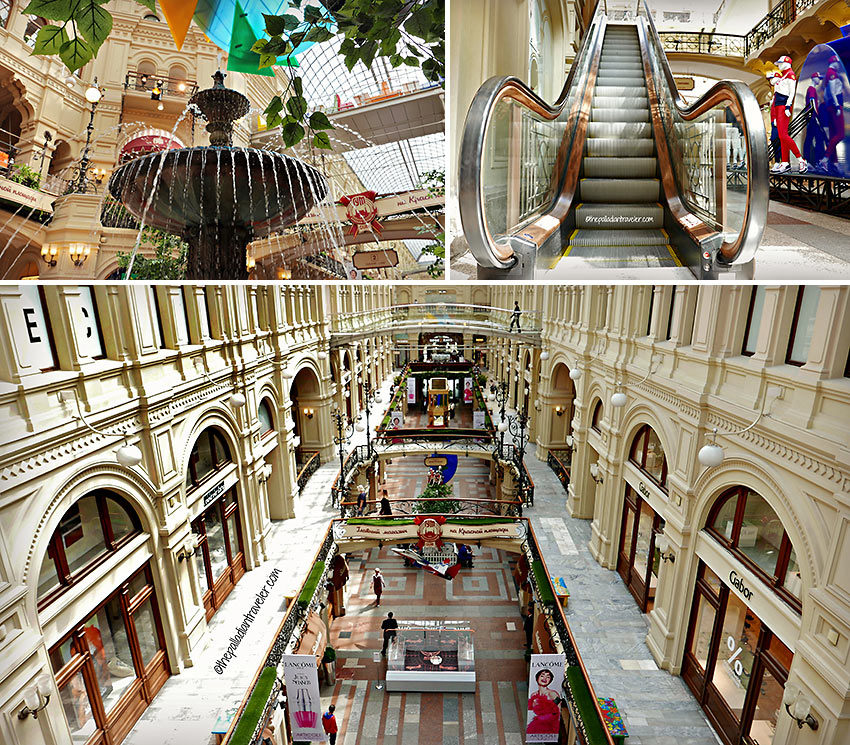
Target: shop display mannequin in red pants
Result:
[783, 101]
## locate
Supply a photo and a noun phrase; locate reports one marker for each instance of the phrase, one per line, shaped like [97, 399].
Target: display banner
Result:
[467, 390]
[545, 686]
[301, 675]
[459, 532]
[411, 390]
[396, 419]
[478, 419]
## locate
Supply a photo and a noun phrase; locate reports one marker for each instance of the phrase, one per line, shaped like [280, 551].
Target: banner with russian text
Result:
[301, 675]
[545, 691]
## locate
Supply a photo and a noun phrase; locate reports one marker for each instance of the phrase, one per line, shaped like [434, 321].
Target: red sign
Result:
[362, 211]
[430, 531]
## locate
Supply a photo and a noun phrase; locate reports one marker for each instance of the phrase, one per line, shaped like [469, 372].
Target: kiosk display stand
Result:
[376, 658]
[432, 656]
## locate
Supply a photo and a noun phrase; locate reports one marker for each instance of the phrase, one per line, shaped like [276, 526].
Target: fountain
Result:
[218, 198]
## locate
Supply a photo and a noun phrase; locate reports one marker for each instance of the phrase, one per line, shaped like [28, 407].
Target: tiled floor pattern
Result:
[484, 595]
[462, 417]
[408, 477]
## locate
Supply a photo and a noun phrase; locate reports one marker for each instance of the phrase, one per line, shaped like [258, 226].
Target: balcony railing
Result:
[562, 470]
[782, 16]
[723, 45]
[146, 82]
[308, 469]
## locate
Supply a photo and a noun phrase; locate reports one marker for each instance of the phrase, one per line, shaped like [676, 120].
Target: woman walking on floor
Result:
[378, 585]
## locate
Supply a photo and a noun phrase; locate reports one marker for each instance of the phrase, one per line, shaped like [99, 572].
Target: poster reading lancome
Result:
[545, 686]
[302, 693]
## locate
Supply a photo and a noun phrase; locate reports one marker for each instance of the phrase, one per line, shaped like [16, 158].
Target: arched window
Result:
[151, 17]
[596, 419]
[648, 455]
[93, 528]
[210, 454]
[747, 525]
[264, 414]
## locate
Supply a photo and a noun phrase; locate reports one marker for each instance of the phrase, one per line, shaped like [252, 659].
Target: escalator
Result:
[619, 178]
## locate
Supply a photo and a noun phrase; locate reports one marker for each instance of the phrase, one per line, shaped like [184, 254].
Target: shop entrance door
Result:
[638, 559]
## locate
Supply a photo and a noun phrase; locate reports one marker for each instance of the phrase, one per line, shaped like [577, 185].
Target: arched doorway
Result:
[108, 656]
[734, 663]
[211, 482]
[306, 400]
[638, 559]
[60, 160]
[563, 405]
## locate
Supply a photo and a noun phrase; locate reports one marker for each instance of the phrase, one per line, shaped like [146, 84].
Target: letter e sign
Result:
[29, 327]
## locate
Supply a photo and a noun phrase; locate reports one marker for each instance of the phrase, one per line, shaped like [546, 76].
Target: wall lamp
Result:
[662, 543]
[36, 697]
[49, 252]
[186, 553]
[236, 399]
[128, 455]
[618, 400]
[559, 410]
[799, 706]
[571, 443]
[79, 252]
[309, 413]
[595, 474]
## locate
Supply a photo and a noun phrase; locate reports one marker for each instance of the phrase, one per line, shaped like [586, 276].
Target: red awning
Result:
[149, 142]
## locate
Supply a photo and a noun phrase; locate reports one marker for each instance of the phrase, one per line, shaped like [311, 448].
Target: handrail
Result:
[745, 106]
[310, 467]
[483, 245]
[703, 42]
[782, 16]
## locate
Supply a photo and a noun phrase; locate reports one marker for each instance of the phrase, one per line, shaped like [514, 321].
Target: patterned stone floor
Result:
[483, 595]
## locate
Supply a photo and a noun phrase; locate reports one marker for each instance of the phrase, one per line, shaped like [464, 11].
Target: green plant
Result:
[310, 584]
[169, 261]
[254, 708]
[544, 584]
[329, 655]
[443, 503]
[26, 176]
[435, 183]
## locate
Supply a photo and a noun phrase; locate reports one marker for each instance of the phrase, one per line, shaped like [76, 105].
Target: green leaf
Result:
[319, 34]
[322, 141]
[412, 61]
[75, 53]
[93, 22]
[267, 60]
[432, 70]
[275, 106]
[368, 52]
[258, 46]
[297, 106]
[312, 14]
[149, 4]
[278, 46]
[53, 10]
[318, 120]
[49, 40]
[277, 25]
[298, 86]
[292, 133]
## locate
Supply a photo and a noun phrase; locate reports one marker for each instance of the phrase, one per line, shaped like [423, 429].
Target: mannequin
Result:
[815, 144]
[833, 101]
[783, 101]
[773, 79]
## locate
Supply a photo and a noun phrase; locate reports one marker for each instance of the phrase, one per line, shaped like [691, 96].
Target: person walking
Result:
[361, 500]
[378, 585]
[329, 724]
[389, 627]
[515, 317]
[385, 504]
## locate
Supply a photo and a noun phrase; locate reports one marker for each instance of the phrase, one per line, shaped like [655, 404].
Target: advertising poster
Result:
[545, 688]
[411, 390]
[396, 419]
[478, 421]
[467, 390]
[301, 675]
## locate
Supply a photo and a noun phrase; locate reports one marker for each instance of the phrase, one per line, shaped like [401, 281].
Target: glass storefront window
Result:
[724, 521]
[791, 581]
[761, 533]
[75, 702]
[712, 580]
[654, 456]
[215, 542]
[768, 706]
[644, 536]
[264, 414]
[146, 632]
[233, 536]
[204, 462]
[82, 533]
[106, 638]
[120, 519]
[47, 577]
[734, 666]
[703, 628]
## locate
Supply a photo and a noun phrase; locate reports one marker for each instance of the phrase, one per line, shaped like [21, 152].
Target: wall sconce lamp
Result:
[559, 410]
[156, 91]
[594, 473]
[128, 455]
[618, 400]
[712, 455]
[187, 553]
[662, 543]
[323, 355]
[309, 413]
[36, 698]
[571, 442]
[264, 473]
[79, 252]
[287, 373]
[799, 706]
[99, 174]
[49, 252]
[250, 263]
[236, 399]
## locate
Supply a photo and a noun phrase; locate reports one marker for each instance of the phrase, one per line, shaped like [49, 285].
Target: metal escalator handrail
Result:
[484, 248]
[746, 107]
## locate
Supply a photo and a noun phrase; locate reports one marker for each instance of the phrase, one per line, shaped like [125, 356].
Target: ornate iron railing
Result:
[309, 468]
[780, 17]
[696, 42]
[360, 454]
[148, 82]
[561, 470]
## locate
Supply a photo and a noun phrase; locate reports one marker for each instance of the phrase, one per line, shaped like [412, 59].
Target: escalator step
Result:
[620, 91]
[615, 147]
[615, 102]
[624, 77]
[620, 216]
[614, 115]
[618, 68]
[613, 257]
[619, 190]
[626, 130]
[618, 167]
[588, 238]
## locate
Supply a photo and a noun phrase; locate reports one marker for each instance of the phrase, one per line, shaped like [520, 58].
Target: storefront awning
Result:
[149, 141]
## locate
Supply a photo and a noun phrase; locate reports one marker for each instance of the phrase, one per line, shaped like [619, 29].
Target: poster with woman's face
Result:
[545, 690]
[467, 390]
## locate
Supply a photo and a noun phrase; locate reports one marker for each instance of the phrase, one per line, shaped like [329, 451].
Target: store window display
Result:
[781, 110]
